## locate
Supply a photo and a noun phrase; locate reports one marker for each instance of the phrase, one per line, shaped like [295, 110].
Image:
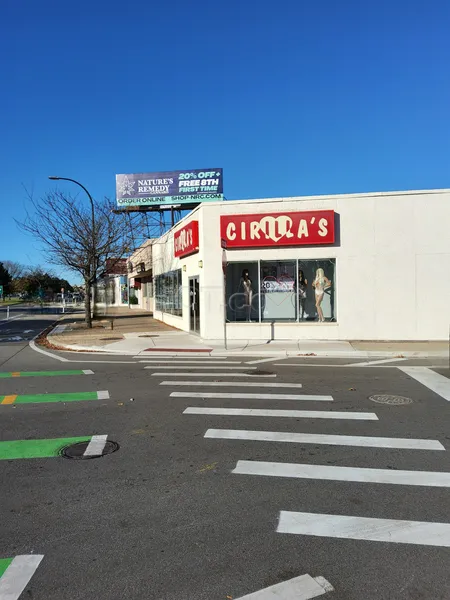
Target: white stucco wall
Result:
[392, 256]
[164, 261]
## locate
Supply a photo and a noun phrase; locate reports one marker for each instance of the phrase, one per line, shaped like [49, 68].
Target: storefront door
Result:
[194, 303]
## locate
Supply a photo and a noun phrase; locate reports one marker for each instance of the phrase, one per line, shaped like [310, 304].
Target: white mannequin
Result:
[320, 284]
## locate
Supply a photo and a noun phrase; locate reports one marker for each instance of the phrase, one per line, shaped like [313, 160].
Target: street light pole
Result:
[56, 178]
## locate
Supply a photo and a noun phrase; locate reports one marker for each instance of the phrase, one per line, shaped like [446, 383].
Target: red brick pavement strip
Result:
[42, 340]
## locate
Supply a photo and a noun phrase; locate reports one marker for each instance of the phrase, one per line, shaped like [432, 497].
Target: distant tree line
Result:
[30, 282]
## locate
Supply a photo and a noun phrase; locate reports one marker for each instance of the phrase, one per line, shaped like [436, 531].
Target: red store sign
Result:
[305, 228]
[186, 240]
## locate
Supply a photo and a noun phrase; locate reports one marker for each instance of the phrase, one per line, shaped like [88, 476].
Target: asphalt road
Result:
[24, 323]
[165, 518]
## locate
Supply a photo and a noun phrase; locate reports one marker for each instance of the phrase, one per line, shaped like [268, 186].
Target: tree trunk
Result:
[87, 304]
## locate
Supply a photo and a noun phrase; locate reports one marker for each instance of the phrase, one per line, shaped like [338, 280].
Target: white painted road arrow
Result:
[299, 588]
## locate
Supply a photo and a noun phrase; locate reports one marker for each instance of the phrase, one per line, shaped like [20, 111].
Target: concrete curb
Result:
[92, 349]
[333, 354]
[183, 352]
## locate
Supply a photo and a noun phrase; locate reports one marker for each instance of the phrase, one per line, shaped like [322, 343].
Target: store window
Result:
[147, 287]
[123, 290]
[278, 298]
[289, 290]
[134, 298]
[100, 291]
[316, 290]
[242, 297]
[168, 293]
[110, 291]
[105, 291]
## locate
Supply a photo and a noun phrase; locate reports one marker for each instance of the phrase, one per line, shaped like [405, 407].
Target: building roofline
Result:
[323, 197]
[334, 196]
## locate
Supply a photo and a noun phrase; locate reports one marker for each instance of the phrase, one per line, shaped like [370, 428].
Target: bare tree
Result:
[15, 269]
[70, 237]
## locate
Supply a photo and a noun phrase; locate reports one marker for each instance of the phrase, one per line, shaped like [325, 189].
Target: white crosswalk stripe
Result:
[373, 528]
[322, 438]
[264, 412]
[332, 473]
[175, 374]
[363, 528]
[432, 380]
[304, 587]
[192, 368]
[240, 384]
[18, 574]
[261, 396]
[96, 445]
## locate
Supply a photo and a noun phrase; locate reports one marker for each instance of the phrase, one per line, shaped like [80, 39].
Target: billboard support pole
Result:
[131, 233]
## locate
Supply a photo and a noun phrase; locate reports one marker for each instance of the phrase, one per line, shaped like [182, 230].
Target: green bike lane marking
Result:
[4, 564]
[46, 448]
[15, 574]
[64, 397]
[45, 373]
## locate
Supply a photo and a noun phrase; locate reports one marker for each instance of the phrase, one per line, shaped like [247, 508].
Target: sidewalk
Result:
[135, 332]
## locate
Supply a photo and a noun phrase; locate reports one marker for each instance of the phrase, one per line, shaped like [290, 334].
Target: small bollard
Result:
[7, 312]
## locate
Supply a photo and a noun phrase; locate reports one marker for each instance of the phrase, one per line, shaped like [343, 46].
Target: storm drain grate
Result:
[111, 339]
[147, 335]
[76, 451]
[389, 399]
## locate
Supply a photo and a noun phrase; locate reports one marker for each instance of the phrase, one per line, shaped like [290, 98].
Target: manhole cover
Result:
[76, 451]
[149, 335]
[388, 399]
[111, 339]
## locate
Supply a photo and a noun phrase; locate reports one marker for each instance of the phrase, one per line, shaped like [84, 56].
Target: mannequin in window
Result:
[302, 288]
[320, 284]
[246, 283]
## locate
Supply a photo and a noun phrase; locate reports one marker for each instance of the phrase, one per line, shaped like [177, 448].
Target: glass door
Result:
[194, 304]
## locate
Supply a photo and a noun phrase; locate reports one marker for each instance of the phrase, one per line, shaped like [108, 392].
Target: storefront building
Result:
[348, 267]
[140, 277]
[111, 289]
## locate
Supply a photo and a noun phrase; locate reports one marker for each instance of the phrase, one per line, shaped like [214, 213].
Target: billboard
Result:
[169, 188]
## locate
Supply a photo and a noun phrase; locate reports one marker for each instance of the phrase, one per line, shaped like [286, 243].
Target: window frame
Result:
[169, 286]
[298, 265]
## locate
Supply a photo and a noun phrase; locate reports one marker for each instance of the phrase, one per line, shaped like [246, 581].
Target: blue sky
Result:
[289, 97]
